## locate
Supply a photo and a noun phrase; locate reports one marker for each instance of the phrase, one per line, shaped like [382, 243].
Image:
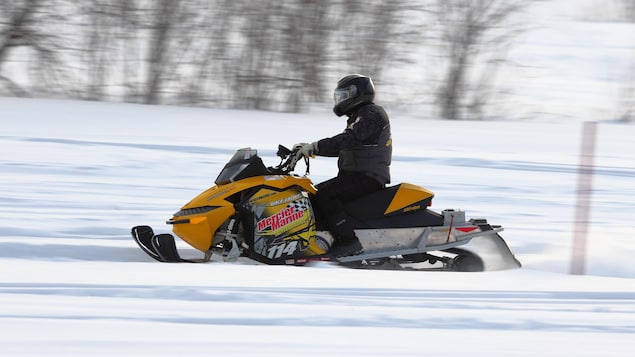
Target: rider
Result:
[364, 151]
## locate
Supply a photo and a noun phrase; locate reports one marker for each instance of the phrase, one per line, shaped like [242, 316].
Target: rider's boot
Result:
[347, 243]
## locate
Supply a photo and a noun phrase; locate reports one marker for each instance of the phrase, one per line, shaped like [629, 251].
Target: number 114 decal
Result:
[287, 248]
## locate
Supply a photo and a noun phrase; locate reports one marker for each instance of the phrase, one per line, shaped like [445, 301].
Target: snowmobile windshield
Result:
[245, 163]
[342, 94]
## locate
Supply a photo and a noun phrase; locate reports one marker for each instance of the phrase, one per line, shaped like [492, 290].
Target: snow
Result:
[76, 176]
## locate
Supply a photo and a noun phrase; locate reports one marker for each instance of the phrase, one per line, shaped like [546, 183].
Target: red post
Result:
[583, 198]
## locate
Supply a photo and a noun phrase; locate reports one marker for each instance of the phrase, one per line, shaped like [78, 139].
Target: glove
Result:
[306, 150]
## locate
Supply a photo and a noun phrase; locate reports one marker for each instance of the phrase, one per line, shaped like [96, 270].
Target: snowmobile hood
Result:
[223, 195]
[199, 219]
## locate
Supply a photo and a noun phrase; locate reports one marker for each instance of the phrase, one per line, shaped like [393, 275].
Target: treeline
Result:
[265, 55]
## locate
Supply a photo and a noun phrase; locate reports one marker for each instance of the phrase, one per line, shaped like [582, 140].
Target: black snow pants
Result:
[333, 194]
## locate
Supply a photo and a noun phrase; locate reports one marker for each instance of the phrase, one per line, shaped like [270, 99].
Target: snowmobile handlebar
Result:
[289, 159]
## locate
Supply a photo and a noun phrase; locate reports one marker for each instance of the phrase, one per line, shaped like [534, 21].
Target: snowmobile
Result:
[266, 215]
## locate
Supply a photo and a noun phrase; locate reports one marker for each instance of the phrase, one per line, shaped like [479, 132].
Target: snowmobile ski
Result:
[160, 247]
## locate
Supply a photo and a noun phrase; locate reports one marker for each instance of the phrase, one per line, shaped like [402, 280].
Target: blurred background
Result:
[454, 59]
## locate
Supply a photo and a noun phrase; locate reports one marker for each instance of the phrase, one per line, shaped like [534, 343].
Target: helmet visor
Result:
[342, 94]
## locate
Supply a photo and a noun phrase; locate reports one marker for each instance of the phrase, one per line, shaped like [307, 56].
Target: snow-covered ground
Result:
[75, 176]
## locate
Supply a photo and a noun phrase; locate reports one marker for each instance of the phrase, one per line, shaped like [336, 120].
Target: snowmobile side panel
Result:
[374, 240]
[417, 218]
[198, 230]
[399, 199]
[410, 197]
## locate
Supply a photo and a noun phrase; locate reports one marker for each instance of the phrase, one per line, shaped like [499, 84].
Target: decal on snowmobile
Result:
[282, 219]
[411, 208]
[284, 224]
[278, 213]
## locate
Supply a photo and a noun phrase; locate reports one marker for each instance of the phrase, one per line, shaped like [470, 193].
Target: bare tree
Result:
[27, 24]
[16, 31]
[626, 9]
[233, 53]
[15, 19]
[362, 32]
[128, 50]
[277, 63]
[305, 36]
[163, 23]
[177, 36]
[206, 79]
[99, 30]
[469, 29]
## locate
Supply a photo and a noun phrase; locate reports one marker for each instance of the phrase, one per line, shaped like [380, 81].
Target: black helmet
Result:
[351, 92]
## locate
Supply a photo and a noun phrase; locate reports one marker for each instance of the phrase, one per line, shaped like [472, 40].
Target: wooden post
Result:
[583, 198]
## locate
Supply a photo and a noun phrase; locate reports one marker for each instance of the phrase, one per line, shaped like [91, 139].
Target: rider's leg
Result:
[330, 200]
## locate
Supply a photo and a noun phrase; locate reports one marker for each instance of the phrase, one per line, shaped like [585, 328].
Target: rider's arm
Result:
[359, 128]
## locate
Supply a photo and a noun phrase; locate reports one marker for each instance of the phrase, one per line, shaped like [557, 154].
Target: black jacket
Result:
[365, 145]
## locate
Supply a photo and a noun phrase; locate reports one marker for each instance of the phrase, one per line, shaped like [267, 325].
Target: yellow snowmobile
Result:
[266, 214]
